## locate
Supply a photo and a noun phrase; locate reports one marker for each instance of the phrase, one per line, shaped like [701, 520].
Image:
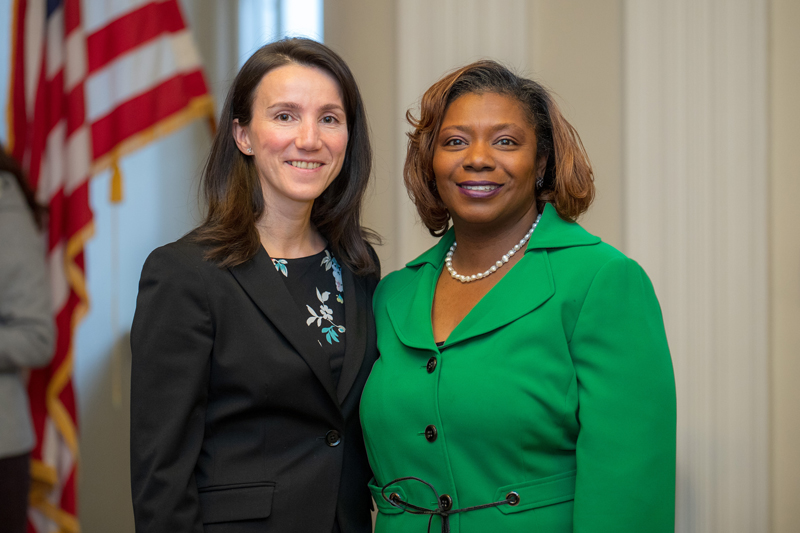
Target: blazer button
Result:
[445, 502]
[333, 438]
[431, 365]
[431, 433]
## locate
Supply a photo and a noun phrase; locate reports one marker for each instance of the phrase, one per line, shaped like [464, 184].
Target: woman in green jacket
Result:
[524, 381]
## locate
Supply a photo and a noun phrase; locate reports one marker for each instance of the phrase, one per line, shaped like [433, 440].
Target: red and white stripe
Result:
[49, 135]
[143, 68]
[82, 96]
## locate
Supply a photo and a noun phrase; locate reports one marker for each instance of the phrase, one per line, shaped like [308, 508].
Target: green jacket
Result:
[558, 386]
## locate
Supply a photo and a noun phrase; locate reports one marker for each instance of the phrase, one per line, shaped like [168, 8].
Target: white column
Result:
[434, 37]
[695, 181]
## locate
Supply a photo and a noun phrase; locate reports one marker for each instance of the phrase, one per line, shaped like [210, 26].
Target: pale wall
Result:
[363, 33]
[577, 53]
[785, 264]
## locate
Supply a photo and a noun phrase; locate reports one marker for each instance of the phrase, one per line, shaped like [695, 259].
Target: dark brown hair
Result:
[568, 180]
[231, 185]
[10, 165]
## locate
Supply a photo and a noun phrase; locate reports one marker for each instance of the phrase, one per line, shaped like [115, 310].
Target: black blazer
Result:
[236, 425]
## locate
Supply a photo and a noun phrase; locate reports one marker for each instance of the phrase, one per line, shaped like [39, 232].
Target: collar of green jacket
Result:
[552, 232]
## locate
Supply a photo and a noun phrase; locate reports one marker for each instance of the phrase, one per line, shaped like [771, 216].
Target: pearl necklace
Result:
[448, 260]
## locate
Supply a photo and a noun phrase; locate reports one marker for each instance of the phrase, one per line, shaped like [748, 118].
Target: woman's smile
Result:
[485, 161]
[307, 165]
[479, 189]
[297, 135]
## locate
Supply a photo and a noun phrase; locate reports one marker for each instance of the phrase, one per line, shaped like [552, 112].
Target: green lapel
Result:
[410, 309]
[525, 287]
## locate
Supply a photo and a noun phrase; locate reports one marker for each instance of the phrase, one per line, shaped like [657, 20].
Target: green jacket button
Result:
[431, 365]
[431, 433]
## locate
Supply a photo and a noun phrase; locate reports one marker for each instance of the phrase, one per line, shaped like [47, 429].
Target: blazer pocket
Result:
[229, 503]
[539, 492]
[384, 506]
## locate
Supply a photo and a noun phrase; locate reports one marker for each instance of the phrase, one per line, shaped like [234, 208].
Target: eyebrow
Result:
[296, 107]
[332, 107]
[496, 127]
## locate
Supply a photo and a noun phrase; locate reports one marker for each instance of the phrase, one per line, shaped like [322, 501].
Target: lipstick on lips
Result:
[479, 189]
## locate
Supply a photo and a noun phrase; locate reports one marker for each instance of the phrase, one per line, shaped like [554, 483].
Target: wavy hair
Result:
[231, 186]
[568, 180]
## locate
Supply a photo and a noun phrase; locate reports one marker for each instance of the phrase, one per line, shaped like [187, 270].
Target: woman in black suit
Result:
[253, 334]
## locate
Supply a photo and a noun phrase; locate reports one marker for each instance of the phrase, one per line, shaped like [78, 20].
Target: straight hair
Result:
[230, 182]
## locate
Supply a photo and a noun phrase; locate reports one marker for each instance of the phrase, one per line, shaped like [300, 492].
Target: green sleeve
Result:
[626, 407]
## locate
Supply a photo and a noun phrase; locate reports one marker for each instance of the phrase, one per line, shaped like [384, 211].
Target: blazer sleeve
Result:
[26, 322]
[171, 343]
[627, 407]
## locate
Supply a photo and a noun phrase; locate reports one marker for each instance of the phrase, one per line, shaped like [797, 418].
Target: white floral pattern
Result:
[325, 313]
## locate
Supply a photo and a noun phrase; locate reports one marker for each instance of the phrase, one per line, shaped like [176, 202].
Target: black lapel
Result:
[355, 320]
[263, 284]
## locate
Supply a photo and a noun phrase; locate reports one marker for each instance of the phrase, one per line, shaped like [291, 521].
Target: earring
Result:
[539, 182]
[249, 150]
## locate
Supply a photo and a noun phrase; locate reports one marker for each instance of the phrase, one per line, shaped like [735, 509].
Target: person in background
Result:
[253, 335]
[26, 334]
[524, 381]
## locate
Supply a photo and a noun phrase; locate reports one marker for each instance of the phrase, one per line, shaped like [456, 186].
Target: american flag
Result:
[85, 92]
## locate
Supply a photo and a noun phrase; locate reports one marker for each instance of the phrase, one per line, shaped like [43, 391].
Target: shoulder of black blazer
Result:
[264, 286]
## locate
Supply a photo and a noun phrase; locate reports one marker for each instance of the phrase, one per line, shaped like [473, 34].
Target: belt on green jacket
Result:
[444, 503]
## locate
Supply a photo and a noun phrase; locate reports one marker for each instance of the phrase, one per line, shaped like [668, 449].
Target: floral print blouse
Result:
[315, 283]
